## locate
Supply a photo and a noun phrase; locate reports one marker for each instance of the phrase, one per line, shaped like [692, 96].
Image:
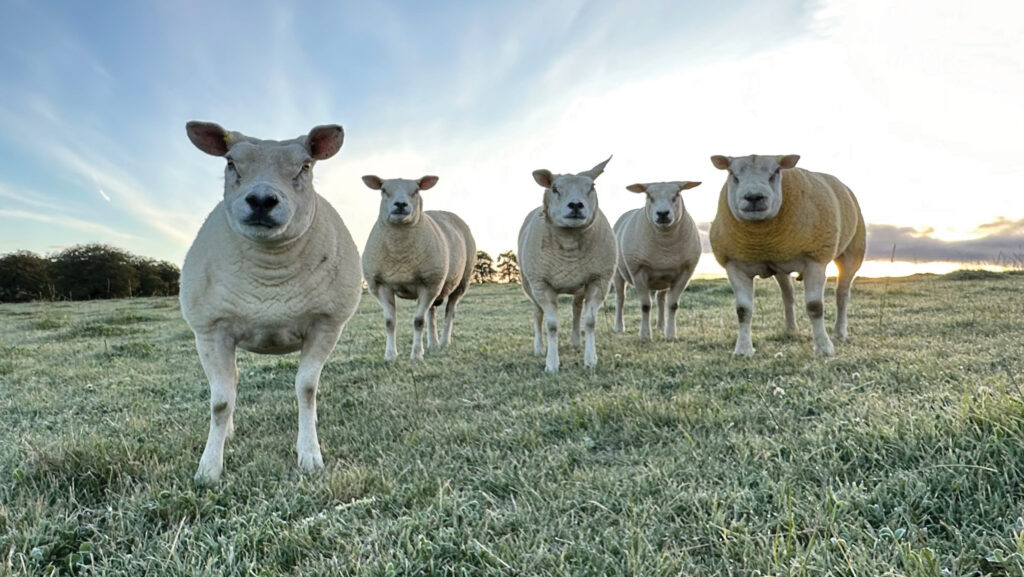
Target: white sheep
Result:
[273, 270]
[566, 246]
[658, 251]
[774, 220]
[416, 254]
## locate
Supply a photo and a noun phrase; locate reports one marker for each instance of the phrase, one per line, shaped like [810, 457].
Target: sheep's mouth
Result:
[663, 221]
[756, 207]
[261, 221]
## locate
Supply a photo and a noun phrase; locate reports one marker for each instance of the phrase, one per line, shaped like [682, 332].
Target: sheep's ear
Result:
[427, 182]
[543, 177]
[373, 182]
[788, 161]
[324, 141]
[637, 188]
[687, 184]
[209, 137]
[721, 162]
[595, 172]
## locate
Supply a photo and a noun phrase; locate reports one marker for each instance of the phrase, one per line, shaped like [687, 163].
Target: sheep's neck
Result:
[568, 239]
[276, 264]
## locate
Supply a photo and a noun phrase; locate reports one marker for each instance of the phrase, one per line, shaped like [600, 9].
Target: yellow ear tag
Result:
[227, 139]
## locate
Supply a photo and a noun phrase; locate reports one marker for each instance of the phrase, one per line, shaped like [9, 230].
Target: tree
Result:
[156, 278]
[508, 267]
[24, 276]
[94, 271]
[483, 270]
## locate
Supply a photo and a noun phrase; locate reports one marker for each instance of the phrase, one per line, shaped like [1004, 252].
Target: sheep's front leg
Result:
[786, 286]
[743, 290]
[620, 302]
[424, 298]
[547, 301]
[317, 347]
[386, 298]
[643, 291]
[217, 355]
[671, 297]
[594, 297]
[577, 309]
[814, 294]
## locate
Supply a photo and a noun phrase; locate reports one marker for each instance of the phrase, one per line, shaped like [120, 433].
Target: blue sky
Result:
[916, 105]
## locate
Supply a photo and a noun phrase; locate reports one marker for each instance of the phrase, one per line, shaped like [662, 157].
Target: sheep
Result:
[658, 251]
[773, 220]
[566, 246]
[273, 270]
[416, 254]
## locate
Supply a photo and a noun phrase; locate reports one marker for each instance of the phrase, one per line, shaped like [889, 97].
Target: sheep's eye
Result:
[591, 191]
[231, 165]
[307, 166]
[554, 190]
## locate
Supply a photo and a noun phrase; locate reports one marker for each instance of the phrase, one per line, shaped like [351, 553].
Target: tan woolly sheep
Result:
[658, 251]
[415, 254]
[774, 220]
[566, 246]
[273, 270]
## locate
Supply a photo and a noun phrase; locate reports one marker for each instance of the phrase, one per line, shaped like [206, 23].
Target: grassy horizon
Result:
[903, 455]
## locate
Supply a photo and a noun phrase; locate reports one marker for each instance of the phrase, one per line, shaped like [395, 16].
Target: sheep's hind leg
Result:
[847, 263]
[424, 298]
[743, 290]
[432, 326]
[217, 355]
[318, 346]
[786, 286]
[620, 302]
[814, 292]
[449, 314]
[538, 329]
[671, 297]
[660, 297]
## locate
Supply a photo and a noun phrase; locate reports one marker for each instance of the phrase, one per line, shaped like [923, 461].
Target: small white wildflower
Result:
[778, 391]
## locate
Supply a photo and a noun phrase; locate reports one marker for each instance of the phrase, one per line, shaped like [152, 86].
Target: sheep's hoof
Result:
[551, 367]
[310, 461]
[207, 474]
[618, 328]
[747, 351]
[825, 351]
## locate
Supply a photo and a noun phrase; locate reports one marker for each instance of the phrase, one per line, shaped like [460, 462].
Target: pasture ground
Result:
[904, 455]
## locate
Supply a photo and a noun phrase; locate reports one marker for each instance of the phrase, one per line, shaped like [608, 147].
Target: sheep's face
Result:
[664, 206]
[755, 184]
[570, 200]
[268, 185]
[400, 201]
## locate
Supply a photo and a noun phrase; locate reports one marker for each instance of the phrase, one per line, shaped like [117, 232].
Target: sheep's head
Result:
[570, 200]
[664, 206]
[400, 201]
[755, 184]
[268, 184]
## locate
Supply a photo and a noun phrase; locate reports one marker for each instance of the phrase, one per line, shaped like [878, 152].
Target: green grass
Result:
[904, 455]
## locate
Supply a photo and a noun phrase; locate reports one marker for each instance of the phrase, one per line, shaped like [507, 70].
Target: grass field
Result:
[904, 455]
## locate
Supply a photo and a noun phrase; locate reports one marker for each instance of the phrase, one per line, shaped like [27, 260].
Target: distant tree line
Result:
[84, 272]
[506, 269]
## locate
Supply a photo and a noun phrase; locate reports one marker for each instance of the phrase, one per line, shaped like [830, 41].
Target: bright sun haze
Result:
[914, 105]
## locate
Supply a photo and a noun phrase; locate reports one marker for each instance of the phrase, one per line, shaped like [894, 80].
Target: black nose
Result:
[753, 198]
[262, 203]
[401, 205]
[575, 206]
[662, 215]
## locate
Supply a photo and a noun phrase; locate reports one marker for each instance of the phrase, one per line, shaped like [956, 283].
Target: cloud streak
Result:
[1002, 243]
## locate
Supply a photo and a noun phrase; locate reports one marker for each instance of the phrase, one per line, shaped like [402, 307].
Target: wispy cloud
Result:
[1003, 240]
[66, 221]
